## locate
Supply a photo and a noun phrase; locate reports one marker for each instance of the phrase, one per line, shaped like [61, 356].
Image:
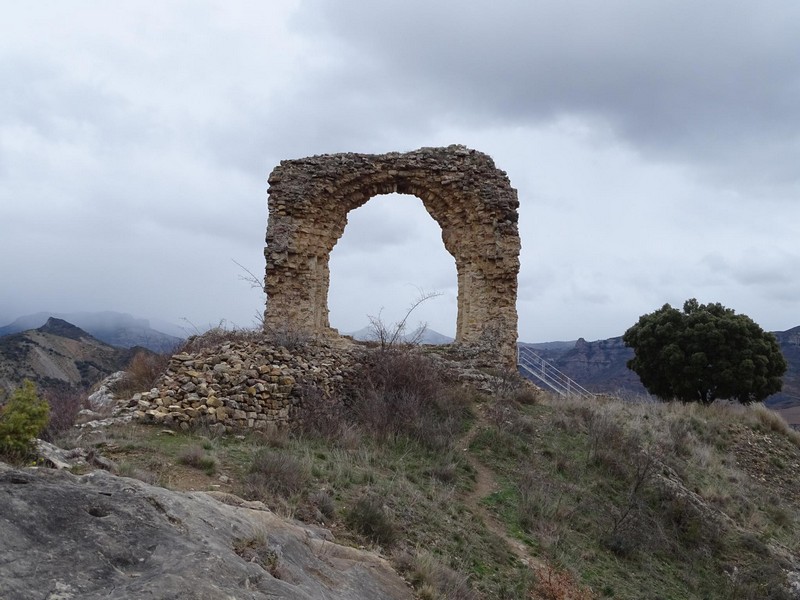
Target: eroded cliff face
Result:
[102, 536]
[471, 200]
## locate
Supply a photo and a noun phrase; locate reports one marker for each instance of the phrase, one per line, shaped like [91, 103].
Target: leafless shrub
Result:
[555, 584]
[392, 336]
[320, 414]
[141, 374]
[401, 392]
[543, 508]
[273, 472]
[255, 283]
[772, 421]
[369, 517]
[218, 335]
[288, 337]
[258, 550]
[505, 414]
[324, 503]
[65, 404]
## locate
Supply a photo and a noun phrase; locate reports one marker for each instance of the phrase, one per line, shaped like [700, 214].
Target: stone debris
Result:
[254, 384]
[244, 385]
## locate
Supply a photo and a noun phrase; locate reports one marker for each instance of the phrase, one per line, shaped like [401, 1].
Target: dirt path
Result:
[485, 485]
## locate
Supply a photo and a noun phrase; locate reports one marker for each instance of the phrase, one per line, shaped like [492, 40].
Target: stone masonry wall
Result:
[255, 384]
[471, 200]
[242, 385]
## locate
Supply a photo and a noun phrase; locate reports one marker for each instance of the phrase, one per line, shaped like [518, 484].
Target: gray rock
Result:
[102, 536]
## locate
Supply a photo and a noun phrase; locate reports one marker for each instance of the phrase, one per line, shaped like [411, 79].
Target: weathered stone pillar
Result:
[462, 190]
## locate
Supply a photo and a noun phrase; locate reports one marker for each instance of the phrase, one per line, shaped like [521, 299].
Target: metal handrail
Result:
[533, 364]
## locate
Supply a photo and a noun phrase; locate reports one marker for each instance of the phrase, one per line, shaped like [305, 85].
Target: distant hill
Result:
[601, 366]
[57, 355]
[428, 337]
[117, 329]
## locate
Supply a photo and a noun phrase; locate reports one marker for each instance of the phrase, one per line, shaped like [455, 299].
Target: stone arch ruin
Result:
[471, 200]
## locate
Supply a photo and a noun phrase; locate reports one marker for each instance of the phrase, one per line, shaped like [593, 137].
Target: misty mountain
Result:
[113, 328]
[428, 336]
[58, 355]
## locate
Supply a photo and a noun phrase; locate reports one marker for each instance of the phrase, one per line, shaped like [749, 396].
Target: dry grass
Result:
[274, 473]
[772, 421]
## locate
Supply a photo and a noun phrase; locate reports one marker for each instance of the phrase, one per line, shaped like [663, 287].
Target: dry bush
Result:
[288, 337]
[257, 550]
[369, 518]
[506, 414]
[554, 584]
[320, 414]
[65, 404]
[142, 373]
[542, 508]
[195, 456]
[403, 393]
[772, 421]
[432, 579]
[324, 503]
[273, 472]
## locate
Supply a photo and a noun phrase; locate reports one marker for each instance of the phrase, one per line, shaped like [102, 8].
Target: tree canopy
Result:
[704, 353]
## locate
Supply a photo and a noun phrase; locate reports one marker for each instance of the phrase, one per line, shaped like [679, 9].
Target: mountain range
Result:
[601, 367]
[421, 335]
[57, 356]
[113, 328]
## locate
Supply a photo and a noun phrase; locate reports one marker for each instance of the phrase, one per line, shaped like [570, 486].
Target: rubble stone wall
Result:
[471, 200]
[243, 385]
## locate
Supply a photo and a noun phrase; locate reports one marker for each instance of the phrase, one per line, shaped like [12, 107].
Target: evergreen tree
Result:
[704, 353]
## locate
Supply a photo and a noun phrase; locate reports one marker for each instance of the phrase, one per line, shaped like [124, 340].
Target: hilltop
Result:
[477, 486]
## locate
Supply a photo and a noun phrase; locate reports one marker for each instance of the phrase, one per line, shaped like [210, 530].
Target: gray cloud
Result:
[695, 83]
[653, 146]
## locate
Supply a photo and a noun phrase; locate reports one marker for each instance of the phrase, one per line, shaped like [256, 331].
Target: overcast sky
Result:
[655, 147]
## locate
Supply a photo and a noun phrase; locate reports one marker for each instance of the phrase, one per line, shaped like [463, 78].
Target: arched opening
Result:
[471, 200]
[390, 252]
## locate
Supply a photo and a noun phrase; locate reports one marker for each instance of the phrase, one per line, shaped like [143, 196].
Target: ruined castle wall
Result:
[471, 200]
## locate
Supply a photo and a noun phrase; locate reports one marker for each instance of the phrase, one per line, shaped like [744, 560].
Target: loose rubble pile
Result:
[255, 384]
[244, 384]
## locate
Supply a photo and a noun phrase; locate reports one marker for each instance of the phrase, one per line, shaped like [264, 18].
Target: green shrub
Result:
[22, 419]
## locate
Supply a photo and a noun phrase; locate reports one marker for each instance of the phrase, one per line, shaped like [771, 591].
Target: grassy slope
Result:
[628, 501]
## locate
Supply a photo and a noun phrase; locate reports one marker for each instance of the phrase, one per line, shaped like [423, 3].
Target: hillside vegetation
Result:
[514, 494]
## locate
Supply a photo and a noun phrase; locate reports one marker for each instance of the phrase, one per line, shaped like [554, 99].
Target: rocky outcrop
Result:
[102, 536]
[471, 200]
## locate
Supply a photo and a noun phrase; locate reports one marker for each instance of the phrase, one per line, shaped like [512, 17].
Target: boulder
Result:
[103, 536]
